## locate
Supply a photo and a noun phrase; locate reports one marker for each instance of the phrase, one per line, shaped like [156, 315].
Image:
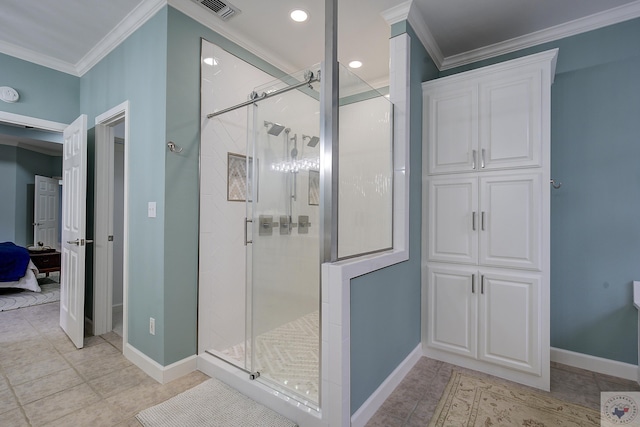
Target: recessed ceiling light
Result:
[299, 15]
[355, 64]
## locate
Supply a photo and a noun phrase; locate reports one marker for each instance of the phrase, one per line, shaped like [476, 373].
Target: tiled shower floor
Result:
[288, 356]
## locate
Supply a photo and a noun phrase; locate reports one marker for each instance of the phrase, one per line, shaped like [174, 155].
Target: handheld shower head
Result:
[313, 140]
[275, 128]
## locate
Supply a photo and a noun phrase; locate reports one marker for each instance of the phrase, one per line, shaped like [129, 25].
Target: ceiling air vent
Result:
[223, 10]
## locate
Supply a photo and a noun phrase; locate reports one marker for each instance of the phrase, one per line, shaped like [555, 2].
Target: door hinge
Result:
[110, 238]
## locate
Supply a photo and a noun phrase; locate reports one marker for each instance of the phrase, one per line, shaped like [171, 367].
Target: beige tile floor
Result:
[46, 381]
[414, 401]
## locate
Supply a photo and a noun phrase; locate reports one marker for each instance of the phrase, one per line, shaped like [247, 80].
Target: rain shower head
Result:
[275, 128]
[313, 140]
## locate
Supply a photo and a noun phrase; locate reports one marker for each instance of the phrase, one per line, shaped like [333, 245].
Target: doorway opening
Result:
[111, 228]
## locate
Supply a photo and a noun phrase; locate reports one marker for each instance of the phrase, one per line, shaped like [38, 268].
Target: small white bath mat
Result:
[212, 404]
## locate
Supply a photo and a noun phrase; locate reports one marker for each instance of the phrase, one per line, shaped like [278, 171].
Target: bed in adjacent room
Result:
[16, 268]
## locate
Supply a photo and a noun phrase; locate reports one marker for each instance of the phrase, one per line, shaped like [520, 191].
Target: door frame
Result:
[103, 255]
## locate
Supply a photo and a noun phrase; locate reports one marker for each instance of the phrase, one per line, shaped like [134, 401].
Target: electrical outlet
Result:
[152, 326]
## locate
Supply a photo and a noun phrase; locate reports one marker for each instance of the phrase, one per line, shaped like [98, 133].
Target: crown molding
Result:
[424, 34]
[397, 13]
[578, 26]
[407, 11]
[37, 58]
[129, 24]
[209, 20]
[134, 20]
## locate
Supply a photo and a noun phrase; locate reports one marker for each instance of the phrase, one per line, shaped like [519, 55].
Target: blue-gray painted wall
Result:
[595, 230]
[137, 71]
[18, 168]
[44, 93]
[385, 304]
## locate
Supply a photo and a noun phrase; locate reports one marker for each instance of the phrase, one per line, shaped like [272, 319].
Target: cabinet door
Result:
[453, 220]
[509, 321]
[510, 220]
[452, 309]
[510, 120]
[451, 129]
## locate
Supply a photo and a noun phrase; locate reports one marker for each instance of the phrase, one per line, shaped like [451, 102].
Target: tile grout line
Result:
[71, 366]
[15, 396]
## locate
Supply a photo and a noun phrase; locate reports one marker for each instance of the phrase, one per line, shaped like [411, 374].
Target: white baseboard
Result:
[162, 374]
[382, 393]
[595, 364]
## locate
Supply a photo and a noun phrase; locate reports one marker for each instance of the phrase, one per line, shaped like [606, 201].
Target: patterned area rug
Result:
[289, 355]
[10, 299]
[212, 404]
[470, 401]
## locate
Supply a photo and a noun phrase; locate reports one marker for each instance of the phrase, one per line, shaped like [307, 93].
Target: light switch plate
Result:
[152, 210]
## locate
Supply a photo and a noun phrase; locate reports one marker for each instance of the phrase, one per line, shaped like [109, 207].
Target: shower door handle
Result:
[246, 223]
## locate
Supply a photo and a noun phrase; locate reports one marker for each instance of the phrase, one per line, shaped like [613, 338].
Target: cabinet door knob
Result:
[473, 155]
[473, 221]
[482, 221]
[473, 283]
[482, 159]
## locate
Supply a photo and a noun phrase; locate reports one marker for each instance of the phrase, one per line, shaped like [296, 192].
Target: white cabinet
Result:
[509, 320]
[484, 123]
[493, 220]
[509, 125]
[486, 219]
[451, 128]
[452, 309]
[467, 309]
[452, 215]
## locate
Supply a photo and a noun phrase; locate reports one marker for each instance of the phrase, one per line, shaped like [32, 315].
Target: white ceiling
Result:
[72, 35]
[69, 34]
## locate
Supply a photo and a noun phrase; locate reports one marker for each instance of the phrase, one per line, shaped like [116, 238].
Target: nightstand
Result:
[46, 261]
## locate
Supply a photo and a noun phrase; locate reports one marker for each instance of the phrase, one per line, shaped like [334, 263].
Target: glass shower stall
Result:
[259, 265]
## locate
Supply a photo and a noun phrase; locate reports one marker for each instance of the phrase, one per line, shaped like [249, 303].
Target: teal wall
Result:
[8, 167]
[18, 168]
[158, 70]
[385, 305]
[44, 93]
[137, 71]
[595, 231]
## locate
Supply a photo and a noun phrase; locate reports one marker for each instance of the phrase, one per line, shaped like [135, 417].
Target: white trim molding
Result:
[45, 60]
[134, 20]
[588, 23]
[18, 119]
[397, 13]
[162, 374]
[595, 364]
[382, 393]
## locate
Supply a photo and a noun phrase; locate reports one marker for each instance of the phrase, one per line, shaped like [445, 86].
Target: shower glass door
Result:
[283, 294]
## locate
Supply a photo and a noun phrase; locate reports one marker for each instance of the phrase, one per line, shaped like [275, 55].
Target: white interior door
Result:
[74, 178]
[45, 211]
